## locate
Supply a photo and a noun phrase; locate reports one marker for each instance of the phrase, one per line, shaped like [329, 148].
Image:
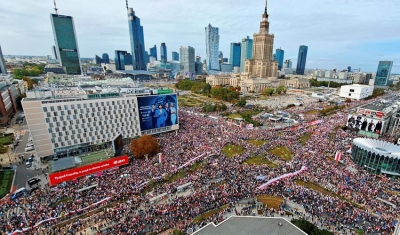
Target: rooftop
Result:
[383, 106]
[378, 146]
[243, 225]
[135, 72]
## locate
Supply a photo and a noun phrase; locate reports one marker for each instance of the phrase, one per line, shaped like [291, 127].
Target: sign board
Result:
[165, 91]
[369, 134]
[372, 113]
[67, 175]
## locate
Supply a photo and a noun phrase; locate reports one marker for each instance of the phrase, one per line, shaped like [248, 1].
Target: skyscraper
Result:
[301, 60]
[137, 40]
[175, 56]
[235, 54]
[54, 53]
[106, 58]
[128, 58]
[153, 51]
[97, 59]
[146, 58]
[287, 64]
[198, 65]
[212, 47]
[246, 51]
[163, 53]
[349, 69]
[187, 61]
[279, 55]
[120, 60]
[3, 69]
[66, 44]
[261, 65]
[383, 73]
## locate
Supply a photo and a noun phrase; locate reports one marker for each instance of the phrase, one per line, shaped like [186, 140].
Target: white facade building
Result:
[356, 91]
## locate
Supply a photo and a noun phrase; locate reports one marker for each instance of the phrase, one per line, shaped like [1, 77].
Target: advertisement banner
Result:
[158, 111]
[365, 124]
[67, 175]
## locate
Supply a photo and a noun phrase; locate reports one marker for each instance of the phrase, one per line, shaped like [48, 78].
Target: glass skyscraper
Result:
[3, 69]
[120, 60]
[301, 60]
[137, 41]
[383, 73]
[187, 61]
[235, 54]
[153, 51]
[66, 43]
[163, 53]
[246, 51]
[106, 58]
[279, 55]
[175, 56]
[97, 59]
[212, 47]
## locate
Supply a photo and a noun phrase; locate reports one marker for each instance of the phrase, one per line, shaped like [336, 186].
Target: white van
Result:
[30, 148]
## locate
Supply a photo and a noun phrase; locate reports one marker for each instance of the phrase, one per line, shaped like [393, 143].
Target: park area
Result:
[6, 178]
[304, 138]
[283, 152]
[5, 140]
[257, 142]
[231, 150]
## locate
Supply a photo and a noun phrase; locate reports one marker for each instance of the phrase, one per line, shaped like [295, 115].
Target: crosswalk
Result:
[14, 212]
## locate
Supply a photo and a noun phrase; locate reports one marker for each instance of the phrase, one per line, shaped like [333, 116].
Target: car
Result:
[30, 160]
[20, 192]
[30, 148]
[28, 164]
[29, 145]
[33, 181]
[15, 143]
[55, 158]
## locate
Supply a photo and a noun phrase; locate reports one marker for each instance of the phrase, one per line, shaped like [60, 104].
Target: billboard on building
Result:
[158, 111]
[67, 175]
[365, 125]
[117, 145]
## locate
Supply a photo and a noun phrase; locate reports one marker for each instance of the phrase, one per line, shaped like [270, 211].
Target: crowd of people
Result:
[351, 204]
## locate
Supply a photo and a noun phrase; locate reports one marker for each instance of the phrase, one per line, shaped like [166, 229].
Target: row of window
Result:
[105, 110]
[71, 120]
[88, 105]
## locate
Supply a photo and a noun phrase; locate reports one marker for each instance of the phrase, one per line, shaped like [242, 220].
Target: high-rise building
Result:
[175, 56]
[212, 47]
[146, 58]
[163, 53]
[262, 65]
[349, 69]
[137, 41]
[383, 73]
[235, 54]
[153, 51]
[246, 51]
[3, 69]
[198, 65]
[66, 44]
[97, 59]
[279, 55]
[54, 53]
[187, 61]
[106, 58]
[287, 64]
[120, 60]
[301, 60]
[128, 59]
[274, 57]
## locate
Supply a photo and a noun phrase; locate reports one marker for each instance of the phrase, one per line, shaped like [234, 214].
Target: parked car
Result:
[29, 144]
[30, 148]
[33, 181]
[28, 164]
[20, 192]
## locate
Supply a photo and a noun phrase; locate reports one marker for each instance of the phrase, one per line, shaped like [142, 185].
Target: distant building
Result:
[175, 56]
[212, 47]
[383, 73]
[97, 60]
[301, 60]
[128, 59]
[187, 61]
[66, 44]
[296, 83]
[120, 60]
[153, 51]
[279, 55]
[287, 64]
[106, 58]
[226, 68]
[53, 68]
[368, 77]
[356, 91]
[163, 53]
[54, 52]
[349, 69]
[235, 54]
[246, 51]
[146, 57]
[3, 69]
[137, 41]
[198, 66]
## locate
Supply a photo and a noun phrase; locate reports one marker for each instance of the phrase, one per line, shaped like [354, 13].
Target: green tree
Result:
[223, 107]
[208, 107]
[279, 89]
[207, 89]
[269, 91]
[198, 88]
[241, 102]
[309, 227]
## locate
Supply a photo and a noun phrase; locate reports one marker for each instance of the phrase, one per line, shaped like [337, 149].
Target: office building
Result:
[146, 58]
[226, 68]
[287, 64]
[212, 47]
[54, 53]
[106, 58]
[279, 55]
[301, 60]
[198, 66]
[175, 56]
[66, 44]
[97, 60]
[187, 57]
[261, 65]
[153, 51]
[246, 52]
[383, 73]
[163, 53]
[3, 69]
[349, 69]
[120, 60]
[128, 59]
[137, 41]
[356, 91]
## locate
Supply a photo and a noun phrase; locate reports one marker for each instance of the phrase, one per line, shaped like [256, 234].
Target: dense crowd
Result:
[130, 211]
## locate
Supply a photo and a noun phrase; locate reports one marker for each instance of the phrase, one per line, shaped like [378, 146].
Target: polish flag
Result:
[338, 156]
[160, 158]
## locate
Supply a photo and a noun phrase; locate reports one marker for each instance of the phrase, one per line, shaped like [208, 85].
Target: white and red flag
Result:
[338, 156]
[160, 158]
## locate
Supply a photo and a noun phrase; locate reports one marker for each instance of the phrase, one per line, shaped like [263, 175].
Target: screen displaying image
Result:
[158, 111]
[365, 124]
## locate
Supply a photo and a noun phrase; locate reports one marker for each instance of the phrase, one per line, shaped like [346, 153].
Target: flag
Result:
[338, 156]
[160, 158]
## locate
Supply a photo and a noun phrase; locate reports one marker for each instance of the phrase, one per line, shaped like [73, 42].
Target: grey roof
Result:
[244, 225]
[135, 72]
[378, 146]
[377, 106]
[62, 164]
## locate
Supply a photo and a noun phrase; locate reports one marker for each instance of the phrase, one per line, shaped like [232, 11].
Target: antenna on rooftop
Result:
[55, 7]
[127, 4]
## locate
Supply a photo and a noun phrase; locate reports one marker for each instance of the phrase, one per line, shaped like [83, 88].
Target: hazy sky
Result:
[338, 33]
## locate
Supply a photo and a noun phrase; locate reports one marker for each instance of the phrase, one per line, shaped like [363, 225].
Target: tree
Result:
[207, 89]
[29, 82]
[241, 102]
[279, 89]
[208, 107]
[18, 101]
[309, 227]
[269, 91]
[146, 144]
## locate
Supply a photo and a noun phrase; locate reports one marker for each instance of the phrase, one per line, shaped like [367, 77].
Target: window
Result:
[47, 120]
[349, 94]
[44, 109]
[79, 106]
[59, 108]
[351, 90]
[52, 108]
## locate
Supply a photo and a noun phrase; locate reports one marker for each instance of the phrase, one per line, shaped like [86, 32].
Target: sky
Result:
[338, 33]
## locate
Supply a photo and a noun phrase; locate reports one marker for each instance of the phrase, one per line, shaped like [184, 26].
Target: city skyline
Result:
[370, 36]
